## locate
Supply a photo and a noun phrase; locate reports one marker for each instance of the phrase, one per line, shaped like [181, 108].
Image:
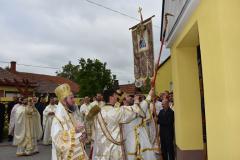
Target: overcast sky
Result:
[53, 32]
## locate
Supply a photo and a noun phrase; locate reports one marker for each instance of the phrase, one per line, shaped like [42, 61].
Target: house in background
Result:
[14, 83]
[129, 89]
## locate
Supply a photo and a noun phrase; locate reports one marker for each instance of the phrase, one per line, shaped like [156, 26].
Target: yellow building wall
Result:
[9, 89]
[219, 32]
[6, 99]
[6, 88]
[187, 107]
[164, 77]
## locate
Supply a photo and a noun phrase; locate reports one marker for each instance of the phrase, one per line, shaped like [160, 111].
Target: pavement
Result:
[8, 152]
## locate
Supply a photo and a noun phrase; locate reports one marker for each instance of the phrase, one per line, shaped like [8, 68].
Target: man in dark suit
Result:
[2, 119]
[166, 122]
[40, 106]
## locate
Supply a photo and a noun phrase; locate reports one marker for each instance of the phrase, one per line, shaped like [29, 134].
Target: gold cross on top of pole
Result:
[140, 12]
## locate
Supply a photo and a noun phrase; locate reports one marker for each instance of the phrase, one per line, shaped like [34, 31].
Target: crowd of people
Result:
[28, 119]
[116, 126]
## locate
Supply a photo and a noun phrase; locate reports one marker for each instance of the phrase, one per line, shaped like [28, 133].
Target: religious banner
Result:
[142, 37]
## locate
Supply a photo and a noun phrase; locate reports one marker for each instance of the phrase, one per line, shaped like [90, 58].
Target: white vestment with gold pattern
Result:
[66, 143]
[27, 130]
[106, 140]
[138, 145]
[92, 124]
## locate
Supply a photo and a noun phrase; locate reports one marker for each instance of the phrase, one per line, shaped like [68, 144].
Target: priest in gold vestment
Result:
[27, 128]
[108, 142]
[68, 132]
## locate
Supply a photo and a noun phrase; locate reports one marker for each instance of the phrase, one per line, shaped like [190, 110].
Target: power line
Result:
[4, 62]
[108, 8]
[96, 4]
[116, 11]
[29, 65]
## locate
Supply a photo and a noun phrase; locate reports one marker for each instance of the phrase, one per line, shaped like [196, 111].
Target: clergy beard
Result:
[70, 107]
[131, 103]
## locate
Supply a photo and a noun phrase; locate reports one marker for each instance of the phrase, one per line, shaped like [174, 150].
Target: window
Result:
[12, 94]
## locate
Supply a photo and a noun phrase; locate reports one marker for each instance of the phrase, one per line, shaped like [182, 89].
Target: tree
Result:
[92, 76]
[146, 86]
[69, 71]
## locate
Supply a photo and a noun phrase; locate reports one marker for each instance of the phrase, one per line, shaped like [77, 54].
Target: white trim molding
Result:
[185, 13]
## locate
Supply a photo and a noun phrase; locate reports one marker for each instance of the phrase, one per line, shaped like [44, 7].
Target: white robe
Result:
[92, 124]
[138, 145]
[153, 128]
[65, 141]
[151, 125]
[84, 109]
[100, 104]
[104, 148]
[12, 119]
[27, 130]
[47, 123]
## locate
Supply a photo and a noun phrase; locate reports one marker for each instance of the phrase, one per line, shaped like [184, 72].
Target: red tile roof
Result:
[41, 83]
[47, 83]
[129, 88]
[10, 79]
[8, 75]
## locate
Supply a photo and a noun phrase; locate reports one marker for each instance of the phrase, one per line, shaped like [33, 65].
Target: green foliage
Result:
[69, 71]
[146, 86]
[92, 76]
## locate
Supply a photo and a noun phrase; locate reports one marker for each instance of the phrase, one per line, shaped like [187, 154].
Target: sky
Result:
[53, 32]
